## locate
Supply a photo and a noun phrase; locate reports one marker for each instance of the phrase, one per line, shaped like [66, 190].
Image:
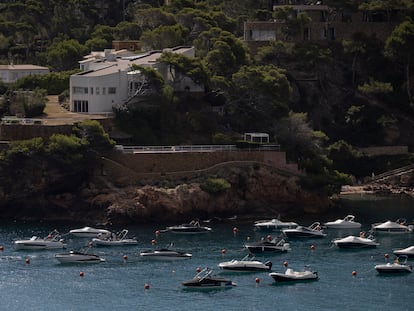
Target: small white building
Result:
[108, 79]
[256, 137]
[12, 73]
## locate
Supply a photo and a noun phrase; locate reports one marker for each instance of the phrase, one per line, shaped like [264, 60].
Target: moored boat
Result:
[356, 242]
[274, 225]
[118, 239]
[52, 241]
[399, 265]
[78, 257]
[291, 275]
[246, 264]
[193, 227]
[165, 254]
[90, 232]
[205, 279]
[398, 226]
[408, 251]
[313, 231]
[347, 223]
[275, 245]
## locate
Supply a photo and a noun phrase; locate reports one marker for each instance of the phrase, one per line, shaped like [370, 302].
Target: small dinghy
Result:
[398, 266]
[295, 276]
[246, 264]
[205, 279]
[409, 252]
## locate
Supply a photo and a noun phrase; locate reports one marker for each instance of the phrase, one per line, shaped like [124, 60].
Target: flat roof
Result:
[22, 67]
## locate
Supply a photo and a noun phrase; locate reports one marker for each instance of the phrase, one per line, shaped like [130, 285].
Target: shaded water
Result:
[118, 284]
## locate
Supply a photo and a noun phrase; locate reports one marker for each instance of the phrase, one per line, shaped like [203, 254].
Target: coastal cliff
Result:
[254, 192]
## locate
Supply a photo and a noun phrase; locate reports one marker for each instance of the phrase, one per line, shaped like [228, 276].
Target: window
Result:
[97, 90]
[80, 106]
[91, 90]
[80, 90]
[111, 90]
[104, 91]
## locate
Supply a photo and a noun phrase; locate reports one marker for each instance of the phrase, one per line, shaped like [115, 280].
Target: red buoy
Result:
[146, 286]
[387, 256]
[157, 233]
[312, 247]
[1, 248]
[285, 263]
[125, 257]
[153, 242]
[223, 251]
[198, 270]
[27, 261]
[354, 273]
[257, 280]
[81, 274]
[269, 237]
[235, 230]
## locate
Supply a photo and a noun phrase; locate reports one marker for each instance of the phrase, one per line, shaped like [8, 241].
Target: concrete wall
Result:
[22, 132]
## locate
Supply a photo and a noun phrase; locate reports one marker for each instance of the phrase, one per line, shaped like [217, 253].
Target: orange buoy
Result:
[285, 263]
[354, 273]
[146, 286]
[223, 251]
[81, 274]
[198, 270]
[312, 247]
[257, 280]
[27, 261]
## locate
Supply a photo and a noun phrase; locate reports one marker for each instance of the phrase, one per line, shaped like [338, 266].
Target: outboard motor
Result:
[269, 264]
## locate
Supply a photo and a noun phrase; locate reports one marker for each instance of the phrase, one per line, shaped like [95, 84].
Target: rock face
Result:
[254, 192]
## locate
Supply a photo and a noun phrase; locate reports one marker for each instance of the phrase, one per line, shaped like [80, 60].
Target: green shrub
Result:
[215, 185]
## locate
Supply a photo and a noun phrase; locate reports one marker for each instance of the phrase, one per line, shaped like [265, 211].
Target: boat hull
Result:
[165, 255]
[34, 245]
[350, 245]
[391, 269]
[244, 266]
[282, 277]
[301, 235]
[78, 258]
[100, 242]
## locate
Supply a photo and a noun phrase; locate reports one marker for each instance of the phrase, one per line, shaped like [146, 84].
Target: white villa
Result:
[12, 73]
[108, 79]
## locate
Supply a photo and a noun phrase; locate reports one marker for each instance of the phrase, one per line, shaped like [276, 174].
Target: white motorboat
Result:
[347, 223]
[118, 239]
[81, 256]
[246, 264]
[205, 279]
[356, 242]
[52, 241]
[165, 254]
[395, 267]
[389, 226]
[295, 276]
[193, 227]
[273, 225]
[276, 245]
[313, 231]
[408, 251]
[89, 232]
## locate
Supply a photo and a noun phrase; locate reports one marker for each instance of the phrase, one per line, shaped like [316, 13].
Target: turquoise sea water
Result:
[119, 284]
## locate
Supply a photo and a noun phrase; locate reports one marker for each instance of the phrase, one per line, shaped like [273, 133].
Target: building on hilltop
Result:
[325, 25]
[108, 79]
[12, 73]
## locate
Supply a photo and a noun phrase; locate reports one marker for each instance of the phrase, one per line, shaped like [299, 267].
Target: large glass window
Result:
[80, 90]
[111, 90]
[80, 106]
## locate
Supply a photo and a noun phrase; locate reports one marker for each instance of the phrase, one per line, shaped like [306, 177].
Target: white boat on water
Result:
[89, 232]
[313, 231]
[81, 256]
[398, 226]
[346, 223]
[356, 242]
[165, 254]
[52, 241]
[193, 227]
[273, 225]
[398, 266]
[275, 245]
[295, 276]
[118, 239]
[246, 264]
[408, 251]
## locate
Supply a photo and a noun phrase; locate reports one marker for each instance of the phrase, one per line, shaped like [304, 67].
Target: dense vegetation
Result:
[362, 95]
